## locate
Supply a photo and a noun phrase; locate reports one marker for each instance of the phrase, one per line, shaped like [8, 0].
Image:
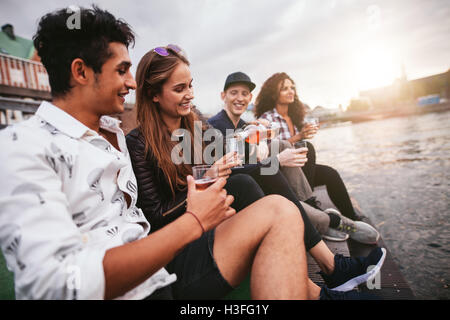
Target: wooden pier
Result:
[391, 282]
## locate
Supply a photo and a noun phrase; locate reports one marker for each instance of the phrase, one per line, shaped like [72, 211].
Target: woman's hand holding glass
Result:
[293, 157]
[310, 128]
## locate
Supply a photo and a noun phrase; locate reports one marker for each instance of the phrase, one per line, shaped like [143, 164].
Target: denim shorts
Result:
[198, 276]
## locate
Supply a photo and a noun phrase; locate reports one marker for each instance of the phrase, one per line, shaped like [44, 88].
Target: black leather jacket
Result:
[154, 195]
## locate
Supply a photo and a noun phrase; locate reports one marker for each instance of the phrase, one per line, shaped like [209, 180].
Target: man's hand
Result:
[264, 122]
[293, 157]
[211, 205]
[227, 162]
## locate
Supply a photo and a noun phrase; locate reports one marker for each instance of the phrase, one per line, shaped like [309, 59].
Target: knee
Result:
[284, 144]
[331, 172]
[243, 183]
[310, 147]
[242, 180]
[283, 210]
[311, 151]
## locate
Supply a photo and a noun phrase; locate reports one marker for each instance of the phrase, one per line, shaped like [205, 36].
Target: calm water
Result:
[399, 172]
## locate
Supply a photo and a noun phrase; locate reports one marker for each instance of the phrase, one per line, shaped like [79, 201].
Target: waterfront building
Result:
[404, 93]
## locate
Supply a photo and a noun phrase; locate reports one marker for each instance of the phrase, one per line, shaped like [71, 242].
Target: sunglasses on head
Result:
[164, 51]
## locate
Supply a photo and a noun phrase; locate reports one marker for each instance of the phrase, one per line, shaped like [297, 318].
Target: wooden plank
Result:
[393, 284]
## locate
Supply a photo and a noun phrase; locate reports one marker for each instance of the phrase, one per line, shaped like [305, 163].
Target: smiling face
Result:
[176, 94]
[236, 98]
[286, 92]
[112, 84]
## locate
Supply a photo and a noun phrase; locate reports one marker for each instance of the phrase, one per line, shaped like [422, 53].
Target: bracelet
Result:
[198, 220]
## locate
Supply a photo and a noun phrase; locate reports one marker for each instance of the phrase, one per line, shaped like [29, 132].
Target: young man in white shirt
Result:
[69, 227]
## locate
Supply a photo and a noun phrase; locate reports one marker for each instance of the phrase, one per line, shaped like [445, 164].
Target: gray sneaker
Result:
[357, 230]
[334, 235]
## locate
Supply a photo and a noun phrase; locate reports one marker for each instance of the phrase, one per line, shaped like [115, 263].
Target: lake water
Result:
[398, 170]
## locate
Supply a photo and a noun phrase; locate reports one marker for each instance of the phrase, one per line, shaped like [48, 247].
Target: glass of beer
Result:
[204, 176]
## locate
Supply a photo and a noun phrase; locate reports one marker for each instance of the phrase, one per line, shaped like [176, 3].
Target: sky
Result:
[332, 49]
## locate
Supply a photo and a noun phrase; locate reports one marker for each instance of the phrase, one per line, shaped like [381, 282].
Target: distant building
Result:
[24, 81]
[360, 104]
[403, 92]
[13, 45]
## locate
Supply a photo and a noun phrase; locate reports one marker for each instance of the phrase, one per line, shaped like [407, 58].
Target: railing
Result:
[27, 106]
[15, 110]
[23, 73]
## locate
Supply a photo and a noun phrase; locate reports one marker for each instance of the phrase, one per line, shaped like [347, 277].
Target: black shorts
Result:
[198, 276]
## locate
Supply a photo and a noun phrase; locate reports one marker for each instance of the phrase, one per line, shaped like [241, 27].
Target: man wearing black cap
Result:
[236, 101]
[290, 182]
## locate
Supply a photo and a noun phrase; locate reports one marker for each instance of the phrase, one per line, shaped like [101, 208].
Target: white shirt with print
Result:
[62, 206]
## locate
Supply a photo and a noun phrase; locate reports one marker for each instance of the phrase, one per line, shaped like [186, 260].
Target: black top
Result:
[222, 122]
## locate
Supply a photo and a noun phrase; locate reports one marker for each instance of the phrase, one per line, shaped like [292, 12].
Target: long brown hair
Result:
[268, 96]
[152, 72]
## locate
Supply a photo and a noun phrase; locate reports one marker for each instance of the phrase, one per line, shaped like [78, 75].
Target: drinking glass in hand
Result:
[204, 176]
[235, 145]
[301, 144]
[312, 120]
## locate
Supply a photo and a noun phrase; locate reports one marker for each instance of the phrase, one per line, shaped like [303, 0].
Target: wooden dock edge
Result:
[389, 284]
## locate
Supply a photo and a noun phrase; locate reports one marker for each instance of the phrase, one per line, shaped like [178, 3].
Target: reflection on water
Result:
[399, 172]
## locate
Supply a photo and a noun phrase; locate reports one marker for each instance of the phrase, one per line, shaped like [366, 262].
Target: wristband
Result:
[198, 220]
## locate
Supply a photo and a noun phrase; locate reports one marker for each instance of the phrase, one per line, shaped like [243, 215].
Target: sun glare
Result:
[376, 67]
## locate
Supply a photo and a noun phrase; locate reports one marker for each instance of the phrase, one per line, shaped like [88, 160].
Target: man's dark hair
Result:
[58, 45]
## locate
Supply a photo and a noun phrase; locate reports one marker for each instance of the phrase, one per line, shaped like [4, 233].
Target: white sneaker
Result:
[357, 230]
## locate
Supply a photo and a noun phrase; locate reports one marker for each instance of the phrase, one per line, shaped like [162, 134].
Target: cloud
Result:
[315, 42]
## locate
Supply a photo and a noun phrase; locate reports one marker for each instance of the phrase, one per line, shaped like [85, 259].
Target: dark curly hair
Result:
[268, 96]
[58, 45]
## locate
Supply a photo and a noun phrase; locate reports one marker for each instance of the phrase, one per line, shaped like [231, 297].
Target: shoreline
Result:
[328, 122]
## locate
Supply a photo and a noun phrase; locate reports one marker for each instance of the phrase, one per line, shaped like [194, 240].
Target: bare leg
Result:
[323, 256]
[313, 290]
[266, 238]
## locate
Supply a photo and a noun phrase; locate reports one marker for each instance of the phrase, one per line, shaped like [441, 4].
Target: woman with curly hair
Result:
[278, 102]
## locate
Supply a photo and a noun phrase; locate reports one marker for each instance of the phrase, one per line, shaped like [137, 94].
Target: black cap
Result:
[239, 77]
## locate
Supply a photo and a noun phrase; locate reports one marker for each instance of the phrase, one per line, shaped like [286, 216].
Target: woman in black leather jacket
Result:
[155, 197]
